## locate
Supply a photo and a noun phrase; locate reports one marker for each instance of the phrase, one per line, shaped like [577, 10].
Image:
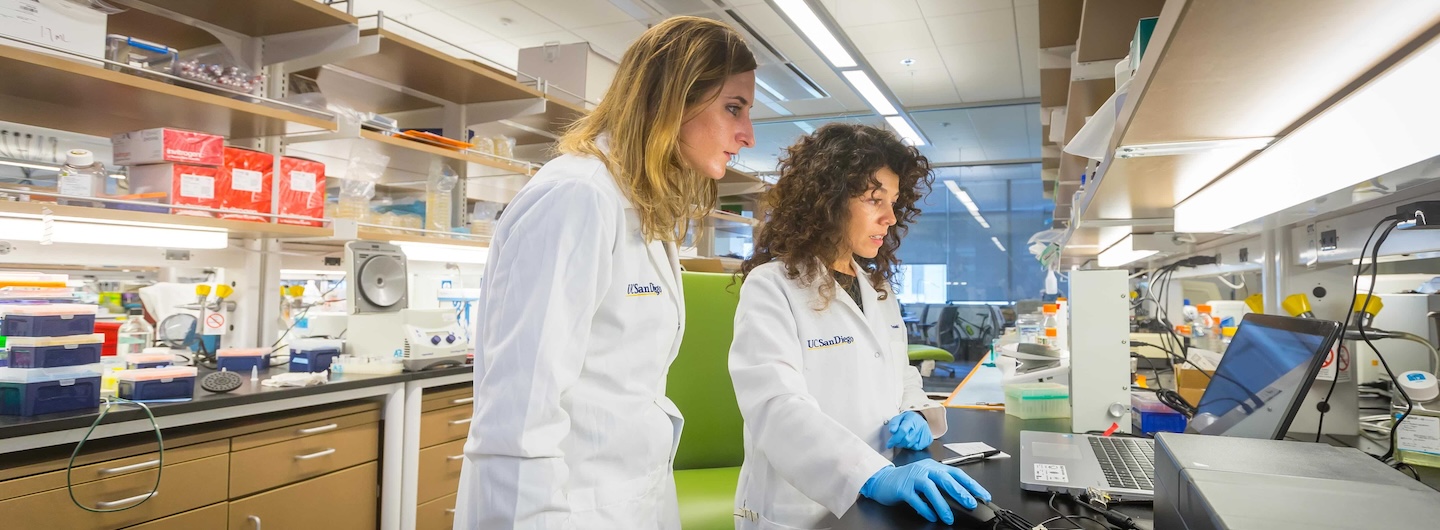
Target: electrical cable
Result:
[1073, 518]
[1324, 405]
[1374, 271]
[159, 467]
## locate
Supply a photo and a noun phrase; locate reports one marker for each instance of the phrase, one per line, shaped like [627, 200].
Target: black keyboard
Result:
[1127, 462]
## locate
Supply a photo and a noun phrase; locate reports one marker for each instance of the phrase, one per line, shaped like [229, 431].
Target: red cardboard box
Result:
[245, 183]
[302, 190]
[158, 146]
[184, 185]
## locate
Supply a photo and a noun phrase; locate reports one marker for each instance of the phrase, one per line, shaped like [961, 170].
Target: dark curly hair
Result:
[805, 213]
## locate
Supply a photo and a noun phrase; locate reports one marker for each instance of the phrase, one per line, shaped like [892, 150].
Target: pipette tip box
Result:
[48, 320]
[54, 352]
[242, 359]
[171, 382]
[1152, 416]
[35, 391]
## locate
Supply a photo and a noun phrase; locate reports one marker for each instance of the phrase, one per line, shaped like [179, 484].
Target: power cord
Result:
[1072, 519]
[159, 468]
[1008, 520]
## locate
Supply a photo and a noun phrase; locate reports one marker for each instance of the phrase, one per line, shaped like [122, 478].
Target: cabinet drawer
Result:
[295, 432]
[445, 425]
[345, 499]
[438, 514]
[184, 486]
[212, 516]
[440, 470]
[111, 468]
[453, 397]
[278, 464]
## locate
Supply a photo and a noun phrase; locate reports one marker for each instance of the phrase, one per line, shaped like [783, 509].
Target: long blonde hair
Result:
[675, 67]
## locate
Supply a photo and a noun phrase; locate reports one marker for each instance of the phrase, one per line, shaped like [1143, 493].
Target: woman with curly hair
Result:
[819, 358]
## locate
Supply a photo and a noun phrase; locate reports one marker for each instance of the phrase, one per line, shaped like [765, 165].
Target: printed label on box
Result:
[197, 186]
[247, 180]
[77, 185]
[303, 181]
[1419, 434]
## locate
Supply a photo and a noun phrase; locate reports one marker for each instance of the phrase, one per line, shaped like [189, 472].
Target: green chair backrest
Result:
[699, 381]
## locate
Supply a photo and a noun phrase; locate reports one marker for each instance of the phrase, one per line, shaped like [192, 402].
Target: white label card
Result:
[197, 186]
[247, 180]
[1051, 473]
[1419, 434]
[302, 181]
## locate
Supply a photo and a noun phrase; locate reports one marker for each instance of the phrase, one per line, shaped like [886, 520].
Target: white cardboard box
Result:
[55, 23]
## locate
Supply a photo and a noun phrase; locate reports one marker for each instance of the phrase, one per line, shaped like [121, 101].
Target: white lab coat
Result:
[579, 320]
[817, 390]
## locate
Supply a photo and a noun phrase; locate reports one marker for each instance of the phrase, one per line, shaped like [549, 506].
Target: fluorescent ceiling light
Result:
[996, 240]
[1187, 148]
[769, 90]
[906, 132]
[965, 199]
[802, 17]
[443, 253]
[805, 127]
[1123, 252]
[98, 233]
[1387, 124]
[870, 92]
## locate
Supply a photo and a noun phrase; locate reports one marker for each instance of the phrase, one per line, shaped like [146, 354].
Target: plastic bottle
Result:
[1051, 325]
[135, 334]
[1030, 326]
[1208, 320]
[82, 176]
[1191, 316]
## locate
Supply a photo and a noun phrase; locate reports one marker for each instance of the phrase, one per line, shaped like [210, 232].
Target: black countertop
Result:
[1001, 477]
[16, 426]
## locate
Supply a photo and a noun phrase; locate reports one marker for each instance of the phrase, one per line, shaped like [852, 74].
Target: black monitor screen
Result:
[1264, 373]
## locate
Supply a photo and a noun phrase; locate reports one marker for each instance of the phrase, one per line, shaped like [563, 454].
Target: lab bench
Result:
[357, 452]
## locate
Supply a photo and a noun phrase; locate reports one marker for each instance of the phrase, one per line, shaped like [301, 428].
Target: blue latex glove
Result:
[919, 484]
[909, 430]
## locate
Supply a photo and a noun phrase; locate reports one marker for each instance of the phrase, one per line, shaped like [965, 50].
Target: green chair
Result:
[707, 465]
[925, 356]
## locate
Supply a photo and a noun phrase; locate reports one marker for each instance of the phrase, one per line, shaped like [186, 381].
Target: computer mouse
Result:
[980, 517]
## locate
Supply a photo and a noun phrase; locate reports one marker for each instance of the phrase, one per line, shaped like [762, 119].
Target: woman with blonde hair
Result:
[581, 311]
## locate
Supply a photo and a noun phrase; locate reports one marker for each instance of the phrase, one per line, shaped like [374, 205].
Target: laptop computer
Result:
[1255, 392]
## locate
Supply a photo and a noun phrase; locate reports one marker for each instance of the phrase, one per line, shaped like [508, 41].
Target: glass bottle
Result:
[135, 334]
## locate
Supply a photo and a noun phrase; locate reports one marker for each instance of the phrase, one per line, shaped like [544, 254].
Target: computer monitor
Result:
[1264, 376]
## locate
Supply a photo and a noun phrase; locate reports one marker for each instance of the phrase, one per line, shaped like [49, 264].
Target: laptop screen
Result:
[1263, 377]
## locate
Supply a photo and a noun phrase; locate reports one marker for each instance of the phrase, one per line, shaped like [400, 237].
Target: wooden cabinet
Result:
[183, 486]
[345, 499]
[209, 517]
[269, 466]
[444, 425]
[440, 470]
[438, 514]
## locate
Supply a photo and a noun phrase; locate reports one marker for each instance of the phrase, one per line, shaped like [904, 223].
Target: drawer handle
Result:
[129, 468]
[454, 458]
[462, 401]
[329, 451]
[450, 511]
[122, 502]
[321, 428]
[255, 519]
[460, 422]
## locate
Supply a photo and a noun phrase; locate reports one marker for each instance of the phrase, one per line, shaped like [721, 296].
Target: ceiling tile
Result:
[765, 20]
[739, 3]
[447, 5]
[985, 71]
[1027, 21]
[531, 41]
[821, 73]
[498, 51]
[924, 59]
[855, 13]
[522, 21]
[940, 8]
[810, 107]
[889, 37]
[612, 39]
[966, 28]
[443, 26]
[952, 136]
[392, 8]
[921, 88]
[578, 13]
[793, 46]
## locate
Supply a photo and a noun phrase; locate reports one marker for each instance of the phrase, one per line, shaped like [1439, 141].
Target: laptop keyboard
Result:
[1127, 462]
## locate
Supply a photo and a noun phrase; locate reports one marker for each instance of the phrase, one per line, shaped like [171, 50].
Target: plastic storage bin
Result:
[136, 361]
[35, 391]
[48, 320]
[242, 359]
[1034, 401]
[52, 352]
[314, 355]
[1150, 416]
[171, 382]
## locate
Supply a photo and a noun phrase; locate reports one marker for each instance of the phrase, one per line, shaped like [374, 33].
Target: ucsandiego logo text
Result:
[636, 289]
[815, 344]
